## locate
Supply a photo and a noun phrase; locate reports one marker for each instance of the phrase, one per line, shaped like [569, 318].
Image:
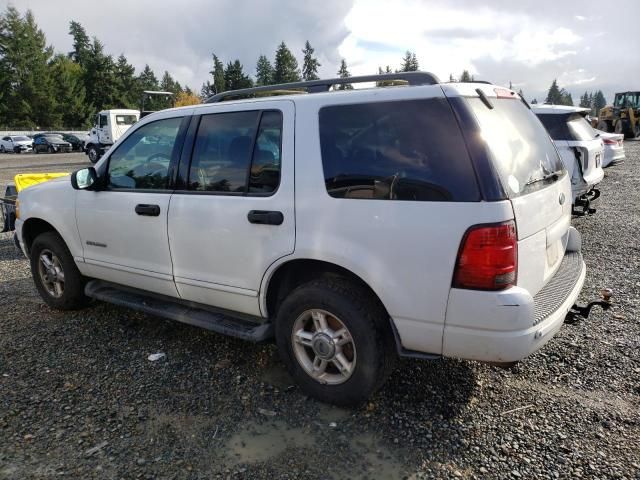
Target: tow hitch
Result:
[582, 206]
[582, 311]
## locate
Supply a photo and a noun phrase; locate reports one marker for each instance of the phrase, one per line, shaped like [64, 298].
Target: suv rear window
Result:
[567, 127]
[520, 146]
[402, 150]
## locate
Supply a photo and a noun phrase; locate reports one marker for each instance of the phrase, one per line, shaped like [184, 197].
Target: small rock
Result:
[156, 356]
[267, 413]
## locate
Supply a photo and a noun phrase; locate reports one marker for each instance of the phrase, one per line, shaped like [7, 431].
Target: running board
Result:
[181, 311]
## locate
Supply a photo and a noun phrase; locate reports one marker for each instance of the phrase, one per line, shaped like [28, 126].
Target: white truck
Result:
[108, 128]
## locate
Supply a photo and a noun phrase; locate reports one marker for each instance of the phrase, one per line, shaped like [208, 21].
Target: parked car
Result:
[77, 145]
[50, 143]
[581, 149]
[350, 226]
[613, 148]
[15, 144]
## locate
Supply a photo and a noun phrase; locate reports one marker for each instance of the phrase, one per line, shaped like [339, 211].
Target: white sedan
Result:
[613, 147]
[16, 144]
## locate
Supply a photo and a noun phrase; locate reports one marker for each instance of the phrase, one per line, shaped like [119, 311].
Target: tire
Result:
[2, 150]
[50, 149]
[71, 296]
[93, 154]
[603, 126]
[637, 132]
[619, 128]
[369, 347]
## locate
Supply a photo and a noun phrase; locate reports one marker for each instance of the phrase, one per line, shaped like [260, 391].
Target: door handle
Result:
[148, 210]
[265, 217]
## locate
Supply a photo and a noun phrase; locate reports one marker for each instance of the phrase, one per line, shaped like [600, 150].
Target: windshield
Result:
[522, 151]
[21, 139]
[568, 127]
[125, 119]
[53, 137]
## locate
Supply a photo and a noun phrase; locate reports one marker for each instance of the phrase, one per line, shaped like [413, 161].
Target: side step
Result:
[181, 311]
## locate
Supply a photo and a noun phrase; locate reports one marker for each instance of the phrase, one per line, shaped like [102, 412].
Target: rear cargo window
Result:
[404, 150]
[567, 127]
[522, 151]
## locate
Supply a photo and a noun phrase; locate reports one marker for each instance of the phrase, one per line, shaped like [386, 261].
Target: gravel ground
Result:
[78, 397]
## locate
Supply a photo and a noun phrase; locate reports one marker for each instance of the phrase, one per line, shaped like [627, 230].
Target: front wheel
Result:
[57, 278]
[50, 149]
[335, 341]
[2, 150]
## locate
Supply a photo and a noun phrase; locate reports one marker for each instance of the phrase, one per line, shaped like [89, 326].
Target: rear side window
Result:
[237, 150]
[522, 151]
[404, 150]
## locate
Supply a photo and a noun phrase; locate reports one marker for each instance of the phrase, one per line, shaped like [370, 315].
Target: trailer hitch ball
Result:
[583, 311]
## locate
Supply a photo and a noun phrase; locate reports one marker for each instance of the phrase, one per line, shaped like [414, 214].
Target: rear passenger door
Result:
[233, 212]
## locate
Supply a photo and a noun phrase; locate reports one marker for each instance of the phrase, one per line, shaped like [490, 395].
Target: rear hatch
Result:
[573, 130]
[533, 177]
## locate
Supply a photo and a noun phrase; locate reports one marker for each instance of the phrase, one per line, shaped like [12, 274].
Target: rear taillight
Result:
[608, 141]
[488, 258]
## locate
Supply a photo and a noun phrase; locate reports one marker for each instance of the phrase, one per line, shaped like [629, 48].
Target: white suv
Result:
[581, 149]
[423, 220]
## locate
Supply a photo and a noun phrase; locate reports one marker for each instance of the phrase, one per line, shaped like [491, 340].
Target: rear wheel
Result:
[637, 132]
[332, 337]
[50, 149]
[57, 278]
[2, 150]
[93, 153]
[603, 126]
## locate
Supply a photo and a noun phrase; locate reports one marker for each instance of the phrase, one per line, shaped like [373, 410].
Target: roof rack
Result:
[316, 86]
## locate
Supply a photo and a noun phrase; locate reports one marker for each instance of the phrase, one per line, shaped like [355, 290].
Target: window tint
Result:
[265, 167]
[404, 150]
[142, 160]
[520, 146]
[222, 152]
[581, 129]
[556, 125]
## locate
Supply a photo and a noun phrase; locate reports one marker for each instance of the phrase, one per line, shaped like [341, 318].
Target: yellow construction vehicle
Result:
[623, 116]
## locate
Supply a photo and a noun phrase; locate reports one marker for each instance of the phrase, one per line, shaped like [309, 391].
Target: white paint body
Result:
[586, 171]
[613, 152]
[201, 247]
[106, 130]
[10, 142]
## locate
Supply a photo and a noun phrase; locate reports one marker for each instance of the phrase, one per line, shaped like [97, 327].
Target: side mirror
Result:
[84, 179]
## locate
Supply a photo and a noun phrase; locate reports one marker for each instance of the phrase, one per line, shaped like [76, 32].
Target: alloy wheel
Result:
[51, 273]
[323, 347]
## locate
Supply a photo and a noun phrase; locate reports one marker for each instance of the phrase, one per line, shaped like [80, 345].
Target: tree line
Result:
[559, 96]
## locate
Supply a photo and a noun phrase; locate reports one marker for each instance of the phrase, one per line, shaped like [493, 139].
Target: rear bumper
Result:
[509, 325]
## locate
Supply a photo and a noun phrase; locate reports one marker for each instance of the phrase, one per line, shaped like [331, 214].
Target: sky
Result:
[585, 44]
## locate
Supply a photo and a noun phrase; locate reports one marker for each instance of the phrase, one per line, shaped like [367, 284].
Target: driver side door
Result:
[123, 225]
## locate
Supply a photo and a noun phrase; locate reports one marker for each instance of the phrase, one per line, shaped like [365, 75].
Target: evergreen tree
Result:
[384, 83]
[218, 75]
[264, 71]
[409, 62]
[584, 101]
[147, 80]
[125, 83]
[534, 101]
[81, 43]
[100, 78]
[235, 78]
[310, 63]
[344, 73]
[286, 66]
[27, 84]
[207, 90]
[168, 84]
[554, 96]
[599, 101]
[70, 93]
[465, 77]
[451, 78]
[565, 98]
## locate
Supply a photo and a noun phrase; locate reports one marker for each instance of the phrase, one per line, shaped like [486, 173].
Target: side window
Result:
[103, 121]
[556, 125]
[402, 150]
[142, 160]
[222, 152]
[267, 154]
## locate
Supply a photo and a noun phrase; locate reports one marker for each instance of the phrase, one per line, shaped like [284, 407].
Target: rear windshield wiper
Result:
[549, 176]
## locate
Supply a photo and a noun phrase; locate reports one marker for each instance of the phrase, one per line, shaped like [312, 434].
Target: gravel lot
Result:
[78, 397]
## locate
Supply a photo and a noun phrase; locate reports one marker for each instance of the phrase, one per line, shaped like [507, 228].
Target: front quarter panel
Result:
[53, 202]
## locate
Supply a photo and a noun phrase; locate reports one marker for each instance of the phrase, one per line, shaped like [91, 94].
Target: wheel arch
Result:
[32, 228]
[290, 274]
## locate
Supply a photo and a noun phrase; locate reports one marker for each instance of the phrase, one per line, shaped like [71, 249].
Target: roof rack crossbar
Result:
[315, 86]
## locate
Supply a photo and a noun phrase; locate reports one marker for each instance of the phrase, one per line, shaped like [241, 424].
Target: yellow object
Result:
[24, 180]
